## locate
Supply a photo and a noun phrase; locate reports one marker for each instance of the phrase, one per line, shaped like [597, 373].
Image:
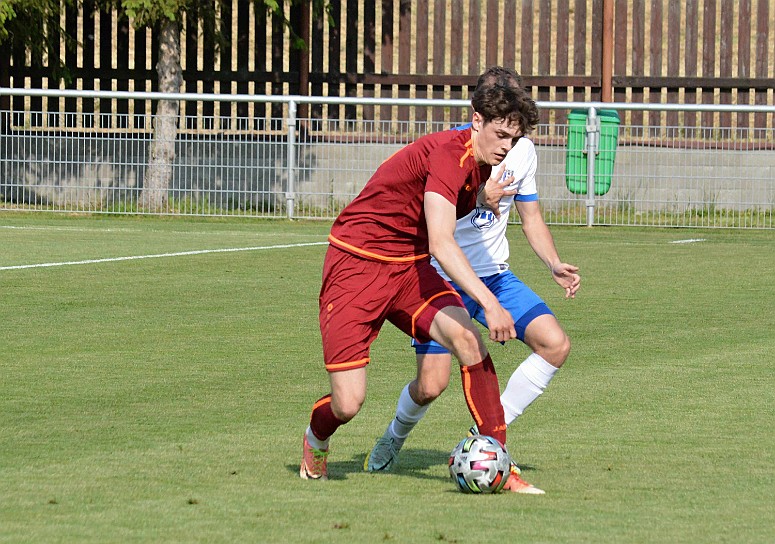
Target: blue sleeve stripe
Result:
[527, 198]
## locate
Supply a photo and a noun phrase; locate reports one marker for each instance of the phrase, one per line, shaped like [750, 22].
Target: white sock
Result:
[408, 414]
[525, 385]
[315, 442]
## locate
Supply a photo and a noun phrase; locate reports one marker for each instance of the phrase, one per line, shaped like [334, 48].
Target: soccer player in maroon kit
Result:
[377, 268]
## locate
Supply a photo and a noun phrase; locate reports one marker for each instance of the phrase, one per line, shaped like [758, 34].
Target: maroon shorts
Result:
[358, 295]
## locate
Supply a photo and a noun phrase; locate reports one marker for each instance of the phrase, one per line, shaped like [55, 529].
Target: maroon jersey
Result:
[386, 221]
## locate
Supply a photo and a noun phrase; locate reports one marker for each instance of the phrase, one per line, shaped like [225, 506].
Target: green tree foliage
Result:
[33, 26]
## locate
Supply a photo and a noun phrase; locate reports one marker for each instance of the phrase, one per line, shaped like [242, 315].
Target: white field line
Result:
[161, 255]
[689, 241]
[121, 229]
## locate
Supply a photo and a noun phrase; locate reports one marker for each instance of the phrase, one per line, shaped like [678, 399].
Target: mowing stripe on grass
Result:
[689, 241]
[160, 255]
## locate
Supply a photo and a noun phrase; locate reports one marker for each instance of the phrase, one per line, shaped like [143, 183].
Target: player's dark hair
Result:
[499, 102]
[499, 75]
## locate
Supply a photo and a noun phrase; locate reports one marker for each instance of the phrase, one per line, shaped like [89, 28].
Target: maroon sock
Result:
[482, 392]
[323, 422]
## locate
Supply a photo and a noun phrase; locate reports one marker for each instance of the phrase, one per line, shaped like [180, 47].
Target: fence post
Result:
[291, 189]
[593, 135]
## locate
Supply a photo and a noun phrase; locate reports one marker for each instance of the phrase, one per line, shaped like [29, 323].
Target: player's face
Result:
[494, 139]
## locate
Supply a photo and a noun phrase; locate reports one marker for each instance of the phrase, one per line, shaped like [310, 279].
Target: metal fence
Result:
[304, 168]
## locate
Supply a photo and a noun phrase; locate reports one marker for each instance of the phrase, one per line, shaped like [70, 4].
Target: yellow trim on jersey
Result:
[469, 153]
[421, 309]
[377, 256]
[349, 365]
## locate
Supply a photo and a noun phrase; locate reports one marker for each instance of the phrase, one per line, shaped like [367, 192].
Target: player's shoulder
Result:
[523, 152]
[524, 146]
[452, 145]
[457, 134]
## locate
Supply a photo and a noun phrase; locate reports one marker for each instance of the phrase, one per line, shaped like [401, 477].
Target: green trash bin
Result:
[576, 159]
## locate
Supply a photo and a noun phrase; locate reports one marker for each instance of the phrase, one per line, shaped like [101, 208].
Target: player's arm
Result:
[540, 239]
[441, 220]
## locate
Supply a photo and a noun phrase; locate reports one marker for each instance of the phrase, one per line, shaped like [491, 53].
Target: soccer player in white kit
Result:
[482, 237]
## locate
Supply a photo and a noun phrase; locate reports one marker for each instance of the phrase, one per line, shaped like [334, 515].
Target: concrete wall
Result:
[93, 172]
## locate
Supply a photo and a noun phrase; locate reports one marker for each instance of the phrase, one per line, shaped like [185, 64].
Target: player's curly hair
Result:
[500, 102]
[499, 75]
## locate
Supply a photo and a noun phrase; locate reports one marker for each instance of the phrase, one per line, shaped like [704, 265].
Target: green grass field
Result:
[163, 399]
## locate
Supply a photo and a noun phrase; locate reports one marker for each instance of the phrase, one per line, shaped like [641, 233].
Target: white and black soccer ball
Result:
[479, 464]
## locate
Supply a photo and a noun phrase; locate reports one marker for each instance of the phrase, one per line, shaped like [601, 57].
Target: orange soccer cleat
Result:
[313, 463]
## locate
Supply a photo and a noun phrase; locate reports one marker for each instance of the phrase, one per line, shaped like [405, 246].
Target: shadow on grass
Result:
[413, 463]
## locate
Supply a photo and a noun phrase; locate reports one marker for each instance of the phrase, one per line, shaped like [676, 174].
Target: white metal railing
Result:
[309, 167]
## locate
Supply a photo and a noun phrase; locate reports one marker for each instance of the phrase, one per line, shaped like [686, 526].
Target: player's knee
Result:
[546, 337]
[429, 391]
[557, 349]
[467, 346]
[346, 408]
[563, 348]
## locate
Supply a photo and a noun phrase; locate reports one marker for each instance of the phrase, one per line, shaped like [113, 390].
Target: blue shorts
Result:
[523, 304]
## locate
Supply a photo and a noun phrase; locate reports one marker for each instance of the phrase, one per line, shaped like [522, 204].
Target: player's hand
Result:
[496, 188]
[500, 323]
[566, 275]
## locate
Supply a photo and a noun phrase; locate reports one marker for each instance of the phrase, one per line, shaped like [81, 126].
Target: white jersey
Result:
[479, 234]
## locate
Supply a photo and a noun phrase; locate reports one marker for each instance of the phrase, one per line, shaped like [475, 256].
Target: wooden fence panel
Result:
[726, 53]
[190, 70]
[491, 47]
[621, 47]
[579, 46]
[52, 103]
[439, 53]
[509, 34]
[334, 63]
[474, 44]
[259, 59]
[562, 56]
[638, 60]
[405, 28]
[421, 58]
[224, 108]
[595, 36]
[243, 42]
[369, 52]
[544, 52]
[708, 55]
[763, 69]
[674, 26]
[690, 61]
[456, 52]
[656, 40]
[744, 59]
[122, 65]
[528, 40]
[386, 50]
[696, 51]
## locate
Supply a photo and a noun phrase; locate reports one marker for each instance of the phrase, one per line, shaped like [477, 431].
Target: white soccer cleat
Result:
[383, 456]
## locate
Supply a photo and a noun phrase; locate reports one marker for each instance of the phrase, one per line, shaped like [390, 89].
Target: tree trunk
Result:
[158, 175]
[5, 81]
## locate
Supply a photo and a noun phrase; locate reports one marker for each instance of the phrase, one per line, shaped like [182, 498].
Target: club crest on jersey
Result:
[483, 218]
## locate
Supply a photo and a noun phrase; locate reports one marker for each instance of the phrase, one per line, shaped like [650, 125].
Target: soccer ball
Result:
[479, 464]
